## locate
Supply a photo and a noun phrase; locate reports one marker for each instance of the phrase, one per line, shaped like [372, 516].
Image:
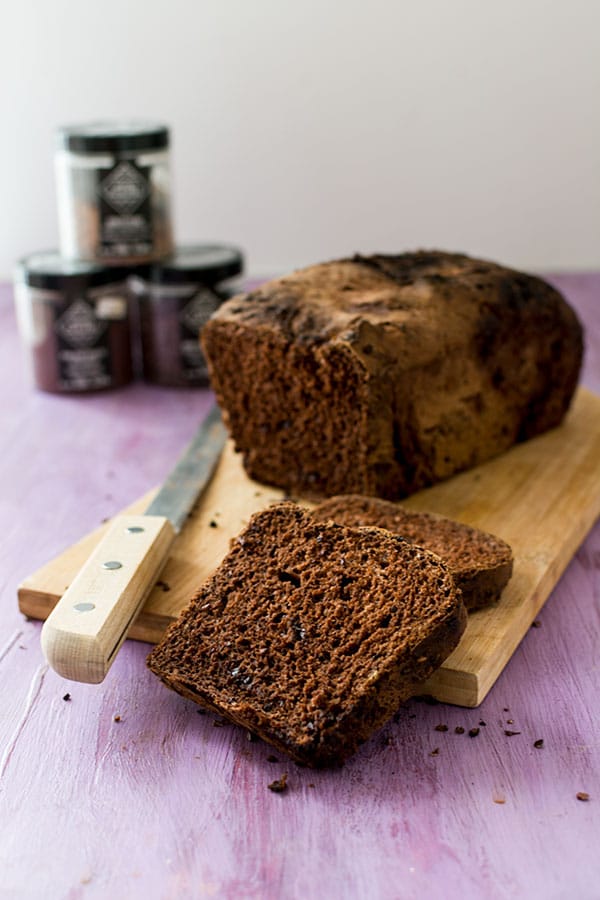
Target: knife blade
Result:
[83, 633]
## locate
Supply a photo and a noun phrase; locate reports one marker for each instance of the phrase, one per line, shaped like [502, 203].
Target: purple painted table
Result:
[163, 804]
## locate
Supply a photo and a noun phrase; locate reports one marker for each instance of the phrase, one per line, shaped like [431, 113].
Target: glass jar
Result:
[113, 192]
[74, 320]
[176, 297]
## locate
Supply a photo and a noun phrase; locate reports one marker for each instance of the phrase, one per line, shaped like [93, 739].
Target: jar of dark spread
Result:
[74, 319]
[176, 297]
[113, 192]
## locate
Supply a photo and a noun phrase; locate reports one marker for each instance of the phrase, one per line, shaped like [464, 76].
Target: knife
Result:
[86, 628]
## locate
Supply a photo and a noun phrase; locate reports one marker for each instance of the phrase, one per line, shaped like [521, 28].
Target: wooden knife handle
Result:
[84, 631]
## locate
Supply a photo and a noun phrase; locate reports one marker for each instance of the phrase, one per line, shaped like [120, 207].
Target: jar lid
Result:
[209, 263]
[51, 271]
[102, 137]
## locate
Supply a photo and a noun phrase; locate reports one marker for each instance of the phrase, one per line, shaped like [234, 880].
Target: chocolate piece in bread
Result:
[380, 375]
[311, 634]
[480, 563]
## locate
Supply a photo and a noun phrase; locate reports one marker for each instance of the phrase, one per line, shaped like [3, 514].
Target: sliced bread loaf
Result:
[480, 562]
[383, 374]
[311, 634]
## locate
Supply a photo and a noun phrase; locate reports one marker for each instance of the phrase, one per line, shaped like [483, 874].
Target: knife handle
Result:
[86, 628]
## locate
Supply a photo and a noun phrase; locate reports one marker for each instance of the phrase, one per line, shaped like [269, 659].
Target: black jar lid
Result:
[113, 137]
[206, 263]
[51, 271]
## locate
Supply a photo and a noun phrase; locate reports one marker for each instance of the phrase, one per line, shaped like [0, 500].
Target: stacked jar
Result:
[76, 308]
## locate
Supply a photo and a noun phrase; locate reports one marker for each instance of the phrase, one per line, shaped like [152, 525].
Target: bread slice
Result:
[480, 562]
[311, 634]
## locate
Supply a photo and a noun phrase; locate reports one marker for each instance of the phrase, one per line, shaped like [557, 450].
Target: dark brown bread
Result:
[311, 634]
[481, 563]
[380, 375]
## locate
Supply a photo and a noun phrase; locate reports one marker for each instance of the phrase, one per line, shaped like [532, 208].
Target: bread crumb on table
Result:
[279, 785]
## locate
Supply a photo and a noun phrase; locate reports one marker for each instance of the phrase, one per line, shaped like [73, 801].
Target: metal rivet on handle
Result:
[112, 564]
[84, 607]
[134, 529]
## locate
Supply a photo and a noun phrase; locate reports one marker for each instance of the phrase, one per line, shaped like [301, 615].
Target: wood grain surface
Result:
[542, 497]
[165, 804]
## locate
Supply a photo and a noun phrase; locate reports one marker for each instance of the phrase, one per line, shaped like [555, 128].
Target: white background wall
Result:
[308, 129]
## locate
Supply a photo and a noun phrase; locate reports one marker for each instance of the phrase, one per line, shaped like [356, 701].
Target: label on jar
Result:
[83, 352]
[193, 316]
[125, 208]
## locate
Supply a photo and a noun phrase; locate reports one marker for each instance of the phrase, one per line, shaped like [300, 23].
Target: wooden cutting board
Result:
[542, 497]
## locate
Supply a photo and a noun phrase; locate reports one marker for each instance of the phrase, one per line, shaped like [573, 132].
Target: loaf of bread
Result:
[380, 375]
[311, 634]
[481, 564]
